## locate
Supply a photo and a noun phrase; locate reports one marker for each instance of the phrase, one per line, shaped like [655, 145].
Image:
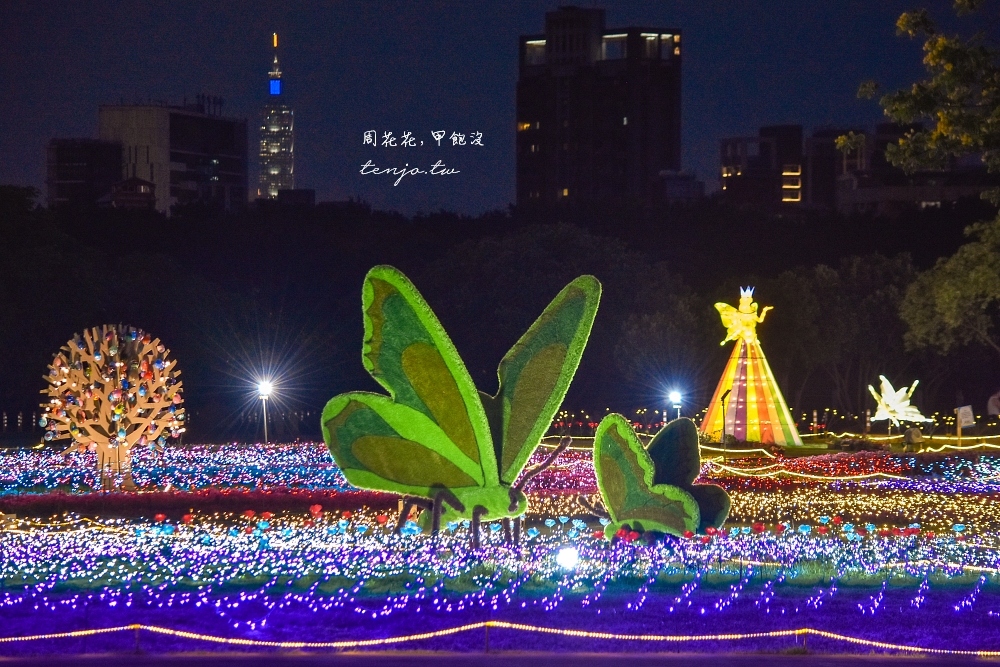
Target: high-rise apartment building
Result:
[277, 138]
[598, 111]
[190, 153]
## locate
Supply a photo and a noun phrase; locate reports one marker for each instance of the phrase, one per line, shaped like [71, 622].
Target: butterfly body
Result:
[435, 436]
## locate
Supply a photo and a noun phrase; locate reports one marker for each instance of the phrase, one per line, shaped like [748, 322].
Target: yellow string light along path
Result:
[517, 627]
[747, 404]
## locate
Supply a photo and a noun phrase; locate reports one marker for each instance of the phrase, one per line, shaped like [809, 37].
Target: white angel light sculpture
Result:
[894, 404]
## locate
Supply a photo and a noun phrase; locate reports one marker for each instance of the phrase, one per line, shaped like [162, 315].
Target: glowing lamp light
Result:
[567, 558]
[264, 389]
[675, 401]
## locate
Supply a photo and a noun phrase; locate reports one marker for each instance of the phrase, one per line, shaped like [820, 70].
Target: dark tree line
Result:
[277, 293]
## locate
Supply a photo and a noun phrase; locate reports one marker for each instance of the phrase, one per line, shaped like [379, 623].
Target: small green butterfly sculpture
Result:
[651, 488]
[435, 437]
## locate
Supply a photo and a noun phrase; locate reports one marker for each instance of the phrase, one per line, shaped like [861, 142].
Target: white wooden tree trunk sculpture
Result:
[111, 389]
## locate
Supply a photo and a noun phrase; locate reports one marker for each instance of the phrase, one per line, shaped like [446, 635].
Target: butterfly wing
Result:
[728, 313]
[625, 479]
[386, 446]
[674, 452]
[713, 505]
[536, 372]
[433, 419]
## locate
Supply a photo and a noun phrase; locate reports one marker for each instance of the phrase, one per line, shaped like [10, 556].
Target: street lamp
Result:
[675, 400]
[722, 400]
[264, 390]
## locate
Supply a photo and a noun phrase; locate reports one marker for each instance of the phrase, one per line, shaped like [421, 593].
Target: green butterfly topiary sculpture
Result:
[435, 439]
[651, 488]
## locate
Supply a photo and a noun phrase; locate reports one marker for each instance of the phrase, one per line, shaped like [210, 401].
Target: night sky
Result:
[422, 66]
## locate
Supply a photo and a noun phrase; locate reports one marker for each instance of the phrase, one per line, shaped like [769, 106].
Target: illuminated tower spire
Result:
[274, 76]
[277, 137]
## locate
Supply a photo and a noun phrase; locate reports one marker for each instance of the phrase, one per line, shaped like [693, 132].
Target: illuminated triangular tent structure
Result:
[754, 408]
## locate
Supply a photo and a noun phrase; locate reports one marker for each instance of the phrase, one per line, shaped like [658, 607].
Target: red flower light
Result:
[187, 518]
[266, 515]
[249, 514]
[688, 534]
[381, 519]
[160, 517]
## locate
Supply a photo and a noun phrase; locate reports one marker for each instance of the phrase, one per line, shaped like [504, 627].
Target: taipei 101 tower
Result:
[277, 138]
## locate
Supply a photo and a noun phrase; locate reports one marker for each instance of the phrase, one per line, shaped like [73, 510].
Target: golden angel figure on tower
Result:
[747, 404]
[742, 322]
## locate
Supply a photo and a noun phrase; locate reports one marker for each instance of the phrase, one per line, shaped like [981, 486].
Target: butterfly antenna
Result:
[592, 507]
[564, 442]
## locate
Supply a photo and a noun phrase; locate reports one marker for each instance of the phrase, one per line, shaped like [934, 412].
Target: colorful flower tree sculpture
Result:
[111, 389]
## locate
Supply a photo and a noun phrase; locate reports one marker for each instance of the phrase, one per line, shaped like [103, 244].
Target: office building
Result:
[766, 171]
[681, 188]
[877, 187]
[598, 111]
[779, 171]
[825, 163]
[190, 153]
[277, 138]
[81, 171]
[133, 193]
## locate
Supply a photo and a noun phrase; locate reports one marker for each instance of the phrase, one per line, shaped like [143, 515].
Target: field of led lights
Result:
[232, 547]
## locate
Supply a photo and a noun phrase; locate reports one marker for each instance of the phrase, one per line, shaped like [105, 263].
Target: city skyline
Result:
[426, 67]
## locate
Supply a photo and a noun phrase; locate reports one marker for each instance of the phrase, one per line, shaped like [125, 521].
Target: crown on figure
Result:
[747, 291]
